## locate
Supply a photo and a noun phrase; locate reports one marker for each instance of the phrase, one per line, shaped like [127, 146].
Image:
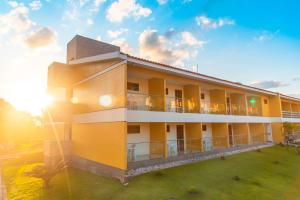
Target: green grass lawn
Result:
[273, 173]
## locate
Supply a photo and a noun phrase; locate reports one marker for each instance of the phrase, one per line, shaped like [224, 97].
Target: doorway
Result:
[269, 132]
[178, 100]
[180, 138]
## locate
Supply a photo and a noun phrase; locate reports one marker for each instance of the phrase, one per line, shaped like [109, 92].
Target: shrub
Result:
[159, 173]
[276, 162]
[223, 158]
[258, 150]
[192, 190]
[47, 173]
[236, 178]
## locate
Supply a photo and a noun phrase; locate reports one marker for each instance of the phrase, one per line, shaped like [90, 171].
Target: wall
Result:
[277, 132]
[157, 91]
[101, 142]
[220, 135]
[193, 136]
[219, 97]
[191, 98]
[240, 133]
[111, 86]
[158, 138]
[275, 106]
[265, 107]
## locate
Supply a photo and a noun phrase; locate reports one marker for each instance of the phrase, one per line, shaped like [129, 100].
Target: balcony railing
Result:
[145, 150]
[146, 102]
[239, 139]
[289, 114]
[212, 108]
[258, 138]
[254, 111]
[236, 109]
[175, 104]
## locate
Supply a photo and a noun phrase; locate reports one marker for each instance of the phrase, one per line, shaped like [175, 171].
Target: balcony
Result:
[236, 109]
[290, 114]
[145, 102]
[212, 108]
[174, 104]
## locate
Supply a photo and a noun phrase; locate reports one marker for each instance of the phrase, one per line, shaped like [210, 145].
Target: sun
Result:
[32, 102]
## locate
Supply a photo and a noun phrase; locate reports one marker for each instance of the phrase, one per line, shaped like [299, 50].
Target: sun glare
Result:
[33, 103]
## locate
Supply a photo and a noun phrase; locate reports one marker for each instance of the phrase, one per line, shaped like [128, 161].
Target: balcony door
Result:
[180, 138]
[178, 100]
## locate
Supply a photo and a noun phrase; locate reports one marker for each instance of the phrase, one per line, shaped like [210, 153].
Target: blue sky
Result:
[253, 42]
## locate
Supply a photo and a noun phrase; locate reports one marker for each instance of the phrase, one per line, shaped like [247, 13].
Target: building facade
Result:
[114, 112]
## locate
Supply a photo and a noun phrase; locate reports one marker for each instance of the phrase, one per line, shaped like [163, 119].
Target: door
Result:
[178, 100]
[230, 135]
[207, 137]
[269, 132]
[180, 138]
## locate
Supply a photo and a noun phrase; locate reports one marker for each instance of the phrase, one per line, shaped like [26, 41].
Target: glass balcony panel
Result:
[146, 102]
[174, 104]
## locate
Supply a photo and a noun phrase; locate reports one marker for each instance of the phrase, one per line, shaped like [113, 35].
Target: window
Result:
[204, 127]
[133, 129]
[168, 128]
[202, 96]
[265, 101]
[167, 91]
[133, 86]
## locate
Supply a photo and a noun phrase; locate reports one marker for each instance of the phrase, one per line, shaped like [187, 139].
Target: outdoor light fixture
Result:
[252, 101]
[105, 100]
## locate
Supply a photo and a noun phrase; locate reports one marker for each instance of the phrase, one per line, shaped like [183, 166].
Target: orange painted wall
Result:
[158, 139]
[105, 143]
[277, 132]
[112, 84]
[193, 134]
[191, 98]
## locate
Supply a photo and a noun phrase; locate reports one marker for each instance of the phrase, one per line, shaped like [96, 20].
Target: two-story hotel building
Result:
[115, 112]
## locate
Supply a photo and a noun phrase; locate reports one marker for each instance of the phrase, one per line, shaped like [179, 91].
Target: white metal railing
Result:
[289, 114]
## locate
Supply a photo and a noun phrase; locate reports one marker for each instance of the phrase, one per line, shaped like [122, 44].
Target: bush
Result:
[47, 173]
[276, 162]
[158, 173]
[223, 158]
[258, 150]
[192, 190]
[236, 178]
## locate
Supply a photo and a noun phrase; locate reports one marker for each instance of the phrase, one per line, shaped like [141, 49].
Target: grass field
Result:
[273, 173]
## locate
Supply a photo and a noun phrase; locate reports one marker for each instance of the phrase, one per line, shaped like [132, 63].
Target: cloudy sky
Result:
[252, 42]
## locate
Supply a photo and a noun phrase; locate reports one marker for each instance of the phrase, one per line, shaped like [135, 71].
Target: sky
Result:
[252, 42]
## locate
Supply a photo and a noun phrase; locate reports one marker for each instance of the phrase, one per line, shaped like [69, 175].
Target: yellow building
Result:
[115, 112]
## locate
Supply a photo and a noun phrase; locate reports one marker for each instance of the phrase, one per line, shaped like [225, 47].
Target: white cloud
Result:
[123, 44]
[268, 84]
[35, 5]
[121, 9]
[41, 38]
[89, 22]
[117, 33]
[80, 11]
[265, 36]
[189, 39]
[296, 79]
[99, 38]
[16, 19]
[161, 2]
[13, 3]
[209, 23]
[166, 49]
